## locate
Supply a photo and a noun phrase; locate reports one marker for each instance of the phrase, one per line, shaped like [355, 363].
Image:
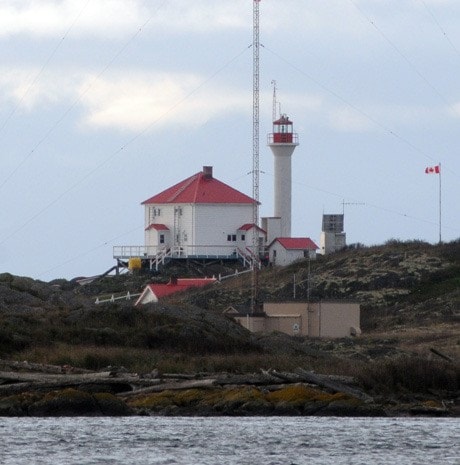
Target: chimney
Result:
[207, 172]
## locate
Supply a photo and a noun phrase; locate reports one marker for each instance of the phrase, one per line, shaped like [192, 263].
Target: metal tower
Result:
[255, 153]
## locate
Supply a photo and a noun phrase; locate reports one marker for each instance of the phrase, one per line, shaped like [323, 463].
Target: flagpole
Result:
[440, 202]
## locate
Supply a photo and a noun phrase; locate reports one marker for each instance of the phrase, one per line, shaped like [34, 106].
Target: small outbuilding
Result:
[285, 250]
[154, 292]
[313, 319]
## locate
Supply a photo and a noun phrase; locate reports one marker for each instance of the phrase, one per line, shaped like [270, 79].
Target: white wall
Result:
[204, 225]
[284, 257]
[272, 226]
[214, 222]
[184, 233]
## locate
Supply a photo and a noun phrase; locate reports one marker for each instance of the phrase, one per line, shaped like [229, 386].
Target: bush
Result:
[414, 374]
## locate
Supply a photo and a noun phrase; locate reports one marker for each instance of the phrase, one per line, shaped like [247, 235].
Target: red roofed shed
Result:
[285, 250]
[154, 292]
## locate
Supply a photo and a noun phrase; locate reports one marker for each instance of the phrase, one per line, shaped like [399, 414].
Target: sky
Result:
[105, 103]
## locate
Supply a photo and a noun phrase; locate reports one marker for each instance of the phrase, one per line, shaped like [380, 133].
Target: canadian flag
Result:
[433, 169]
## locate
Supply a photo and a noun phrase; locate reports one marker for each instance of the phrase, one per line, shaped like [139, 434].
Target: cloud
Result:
[115, 18]
[377, 116]
[347, 119]
[48, 18]
[455, 110]
[21, 87]
[129, 101]
[136, 102]
[296, 19]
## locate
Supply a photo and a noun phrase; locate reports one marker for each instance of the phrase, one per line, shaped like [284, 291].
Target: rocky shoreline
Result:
[64, 391]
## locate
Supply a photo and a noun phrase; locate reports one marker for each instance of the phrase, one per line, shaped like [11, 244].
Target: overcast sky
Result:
[104, 103]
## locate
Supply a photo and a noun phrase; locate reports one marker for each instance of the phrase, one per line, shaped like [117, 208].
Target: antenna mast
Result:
[274, 118]
[349, 203]
[255, 153]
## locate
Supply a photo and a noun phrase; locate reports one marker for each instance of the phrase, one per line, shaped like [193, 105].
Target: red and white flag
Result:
[433, 169]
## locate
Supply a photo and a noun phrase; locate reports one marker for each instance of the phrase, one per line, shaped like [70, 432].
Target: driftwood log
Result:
[6, 365]
[336, 386]
[181, 385]
[49, 377]
[18, 382]
[440, 354]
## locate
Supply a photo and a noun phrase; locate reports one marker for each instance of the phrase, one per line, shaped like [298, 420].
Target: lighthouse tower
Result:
[282, 142]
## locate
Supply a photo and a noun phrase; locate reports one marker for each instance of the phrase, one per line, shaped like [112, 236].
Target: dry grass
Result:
[419, 340]
[409, 375]
[145, 360]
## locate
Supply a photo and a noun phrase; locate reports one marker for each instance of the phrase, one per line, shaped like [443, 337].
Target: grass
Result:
[409, 374]
[144, 360]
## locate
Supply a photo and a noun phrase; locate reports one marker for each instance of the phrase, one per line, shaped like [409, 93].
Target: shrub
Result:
[414, 374]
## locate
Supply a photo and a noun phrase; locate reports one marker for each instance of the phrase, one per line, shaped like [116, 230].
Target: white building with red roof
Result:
[199, 217]
[285, 250]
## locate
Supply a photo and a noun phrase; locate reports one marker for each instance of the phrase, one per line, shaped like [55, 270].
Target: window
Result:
[243, 237]
[162, 238]
[231, 237]
[153, 212]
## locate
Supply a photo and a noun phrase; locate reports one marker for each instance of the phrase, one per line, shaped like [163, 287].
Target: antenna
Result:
[255, 153]
[274, 118]
[350, 203]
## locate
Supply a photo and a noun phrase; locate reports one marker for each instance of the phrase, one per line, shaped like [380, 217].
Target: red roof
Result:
[283, 120]
[158, 227]
[163, 290]
[200, 188]
[296, 243]
[248, 226]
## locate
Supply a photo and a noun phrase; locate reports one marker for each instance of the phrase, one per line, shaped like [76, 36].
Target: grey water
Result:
[229, 441]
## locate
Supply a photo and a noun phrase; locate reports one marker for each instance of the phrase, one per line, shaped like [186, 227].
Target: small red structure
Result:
[283, 132]
[154, 292]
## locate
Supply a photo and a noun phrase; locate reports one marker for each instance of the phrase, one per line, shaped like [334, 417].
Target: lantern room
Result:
[283, 132]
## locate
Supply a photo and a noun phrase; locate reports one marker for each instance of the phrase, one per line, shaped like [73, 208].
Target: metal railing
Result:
[159, 255]
[283, 138]
[177, 251]
[114, 298]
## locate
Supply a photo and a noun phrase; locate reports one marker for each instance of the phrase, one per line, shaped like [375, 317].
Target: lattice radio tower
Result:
[255, 155]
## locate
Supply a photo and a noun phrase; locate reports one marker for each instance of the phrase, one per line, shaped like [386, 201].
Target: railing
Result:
[129, 296]
[160, 258]
[157, 255]
[220, 278]
[177, 251]
[283, 138]
[114, 298]
[132, 251]
[248, 257]
[255, 259]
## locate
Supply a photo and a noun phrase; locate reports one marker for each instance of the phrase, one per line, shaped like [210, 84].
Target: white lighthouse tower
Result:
[282, 142]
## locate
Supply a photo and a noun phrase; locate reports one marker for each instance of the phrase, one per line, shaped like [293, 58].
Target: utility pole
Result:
[255, 154]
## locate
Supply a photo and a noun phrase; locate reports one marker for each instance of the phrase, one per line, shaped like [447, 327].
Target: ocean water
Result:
[229, 440]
